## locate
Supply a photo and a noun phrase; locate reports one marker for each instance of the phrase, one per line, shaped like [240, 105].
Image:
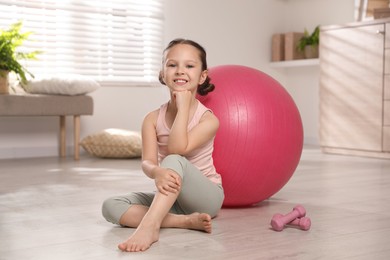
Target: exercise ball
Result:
[259, 142]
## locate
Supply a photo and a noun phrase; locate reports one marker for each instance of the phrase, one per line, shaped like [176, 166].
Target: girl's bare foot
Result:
[141, 239]
[145, 235]
[199, 221]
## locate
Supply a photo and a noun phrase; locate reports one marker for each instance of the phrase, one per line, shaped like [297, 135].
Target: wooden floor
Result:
[50, 209]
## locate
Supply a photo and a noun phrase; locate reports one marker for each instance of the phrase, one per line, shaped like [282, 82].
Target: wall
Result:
[232, 31]
[239, 32]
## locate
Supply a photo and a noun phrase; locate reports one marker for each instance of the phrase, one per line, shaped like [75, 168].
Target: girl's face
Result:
[182, 68]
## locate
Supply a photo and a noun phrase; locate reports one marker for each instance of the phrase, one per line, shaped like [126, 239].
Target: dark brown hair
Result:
[206, 87]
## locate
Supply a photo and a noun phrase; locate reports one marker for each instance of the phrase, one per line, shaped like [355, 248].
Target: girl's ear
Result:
[160, 77]
[203, 77]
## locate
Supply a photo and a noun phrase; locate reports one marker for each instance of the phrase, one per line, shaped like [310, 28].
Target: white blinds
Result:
[117, 42]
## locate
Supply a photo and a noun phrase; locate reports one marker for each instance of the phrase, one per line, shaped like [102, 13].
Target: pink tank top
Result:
[200, 157]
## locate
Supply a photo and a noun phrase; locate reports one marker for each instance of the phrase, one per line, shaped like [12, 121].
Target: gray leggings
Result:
[198, 193]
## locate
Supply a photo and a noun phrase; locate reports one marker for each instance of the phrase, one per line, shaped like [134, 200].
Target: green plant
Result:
[309, 39]
[10, 40]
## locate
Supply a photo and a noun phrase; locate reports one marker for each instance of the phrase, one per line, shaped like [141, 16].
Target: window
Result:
[116, 42]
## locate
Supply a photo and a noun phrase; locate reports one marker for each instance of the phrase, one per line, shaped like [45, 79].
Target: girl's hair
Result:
[204, 88]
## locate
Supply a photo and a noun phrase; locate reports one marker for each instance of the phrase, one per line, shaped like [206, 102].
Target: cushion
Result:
[61, 85]
[113, 143]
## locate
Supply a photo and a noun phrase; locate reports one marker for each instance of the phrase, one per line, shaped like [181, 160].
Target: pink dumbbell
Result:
[278, 223]
[303, 223]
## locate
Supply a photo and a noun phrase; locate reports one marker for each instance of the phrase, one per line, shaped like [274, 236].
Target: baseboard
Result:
[342, 151]
[31, 152]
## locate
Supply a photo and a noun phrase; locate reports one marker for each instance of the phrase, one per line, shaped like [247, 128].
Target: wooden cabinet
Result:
[355, 89]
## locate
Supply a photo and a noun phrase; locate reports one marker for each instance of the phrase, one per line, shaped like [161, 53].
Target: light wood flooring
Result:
[50, 209]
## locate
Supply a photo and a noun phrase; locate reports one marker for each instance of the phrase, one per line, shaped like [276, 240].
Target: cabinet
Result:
[355, 89]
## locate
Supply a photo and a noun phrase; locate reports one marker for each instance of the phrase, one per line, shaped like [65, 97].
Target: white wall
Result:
[232, 31]
[239, 32]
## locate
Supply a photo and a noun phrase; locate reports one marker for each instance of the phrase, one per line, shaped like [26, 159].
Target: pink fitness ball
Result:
[259, 143]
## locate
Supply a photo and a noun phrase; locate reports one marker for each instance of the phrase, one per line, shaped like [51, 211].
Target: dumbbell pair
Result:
[296, 218]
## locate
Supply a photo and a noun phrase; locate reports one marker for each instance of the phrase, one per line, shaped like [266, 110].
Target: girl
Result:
[177, 141]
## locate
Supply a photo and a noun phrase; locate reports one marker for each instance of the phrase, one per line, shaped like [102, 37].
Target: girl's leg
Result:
[129, 210]
[198, 193]
[134, 215]
[154, 218]
[115, 207]
[196, 189]
[148, 229]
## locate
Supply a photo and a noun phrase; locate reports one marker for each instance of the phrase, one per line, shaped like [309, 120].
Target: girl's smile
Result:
[180, 82]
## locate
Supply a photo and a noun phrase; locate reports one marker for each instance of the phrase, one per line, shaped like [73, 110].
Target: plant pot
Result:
[4, 88]
[311, 51]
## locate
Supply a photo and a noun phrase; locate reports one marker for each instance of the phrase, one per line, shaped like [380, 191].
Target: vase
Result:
[311, 51]
[4, 88]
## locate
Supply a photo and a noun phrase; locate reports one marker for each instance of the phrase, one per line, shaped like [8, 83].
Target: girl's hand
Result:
[167, 181]
[183, 99]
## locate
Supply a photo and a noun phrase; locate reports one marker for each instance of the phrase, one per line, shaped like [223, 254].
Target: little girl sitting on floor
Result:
[177, 147]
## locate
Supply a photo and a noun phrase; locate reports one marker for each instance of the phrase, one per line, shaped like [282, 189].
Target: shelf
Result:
[295, 63]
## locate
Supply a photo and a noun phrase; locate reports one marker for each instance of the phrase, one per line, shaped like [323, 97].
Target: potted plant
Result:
[309, 43]
[10, 40]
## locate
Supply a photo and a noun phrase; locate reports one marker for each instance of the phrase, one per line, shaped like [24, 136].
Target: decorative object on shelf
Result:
[291, 40]
[366, 10]
[380, 13]
[311, 52]
[284, 47]
[308, 43]
[278, 47]
[10, 40]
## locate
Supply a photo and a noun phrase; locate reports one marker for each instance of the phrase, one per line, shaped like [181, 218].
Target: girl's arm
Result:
[180, 140]
[166, 180]
[149, 144]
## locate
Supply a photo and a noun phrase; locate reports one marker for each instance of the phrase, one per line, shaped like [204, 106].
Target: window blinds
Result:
[116, 42]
